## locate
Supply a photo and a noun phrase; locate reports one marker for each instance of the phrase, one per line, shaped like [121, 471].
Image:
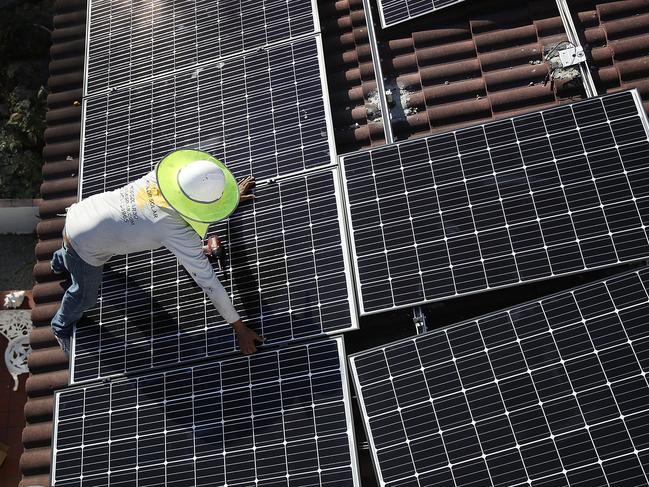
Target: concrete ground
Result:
[17, 261]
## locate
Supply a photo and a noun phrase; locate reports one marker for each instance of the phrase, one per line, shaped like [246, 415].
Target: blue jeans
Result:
[82, 293]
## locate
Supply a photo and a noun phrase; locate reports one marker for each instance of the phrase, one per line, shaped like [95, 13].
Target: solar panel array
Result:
[279, 419]
[286, 269]
[262, 113]
[396, 11]
[535, 196]
[130, 41]
[549, 393]
[243, 82]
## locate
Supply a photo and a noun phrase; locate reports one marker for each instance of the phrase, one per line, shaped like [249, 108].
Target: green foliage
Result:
[24, 46]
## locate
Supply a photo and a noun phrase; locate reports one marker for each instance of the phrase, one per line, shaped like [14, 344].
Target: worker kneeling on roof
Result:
[169, 206]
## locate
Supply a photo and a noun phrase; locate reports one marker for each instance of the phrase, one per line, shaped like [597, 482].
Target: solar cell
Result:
[130, 41]
[263, 113]
[277, 418]
[552, 392]
[528, 198]
[396, 11]
[286, 269]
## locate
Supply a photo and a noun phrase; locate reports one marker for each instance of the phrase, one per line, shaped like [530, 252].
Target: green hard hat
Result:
[198, 187]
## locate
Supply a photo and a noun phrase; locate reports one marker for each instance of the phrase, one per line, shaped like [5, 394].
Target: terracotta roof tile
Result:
[616, 37]
[37, 435]
[39, 410]
[35, 462]
[472, 63]
[350, 75]
[47, 363]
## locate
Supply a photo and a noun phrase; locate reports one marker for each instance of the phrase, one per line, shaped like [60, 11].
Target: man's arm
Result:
[187, 248]
[247, 337]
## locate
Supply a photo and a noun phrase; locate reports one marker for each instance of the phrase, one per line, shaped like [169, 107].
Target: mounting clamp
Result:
[571, 56]
[419, 319]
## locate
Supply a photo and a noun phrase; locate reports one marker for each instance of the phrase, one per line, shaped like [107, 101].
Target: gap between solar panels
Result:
[128, 41]
[279, 418]
[539, 195]
[549, 393]
[287, 269]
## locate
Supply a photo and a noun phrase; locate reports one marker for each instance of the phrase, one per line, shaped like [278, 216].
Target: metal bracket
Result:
[419, 319]
[571, 56]
[573, 37]
[378, 73]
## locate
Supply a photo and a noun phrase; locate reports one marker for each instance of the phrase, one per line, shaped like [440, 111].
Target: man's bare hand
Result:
[247, 338]
[245, 186]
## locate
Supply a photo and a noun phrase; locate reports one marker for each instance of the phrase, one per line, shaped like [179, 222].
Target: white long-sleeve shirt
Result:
[135, 218]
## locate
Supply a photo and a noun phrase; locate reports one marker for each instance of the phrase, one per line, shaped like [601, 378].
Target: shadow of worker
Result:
[256, 267]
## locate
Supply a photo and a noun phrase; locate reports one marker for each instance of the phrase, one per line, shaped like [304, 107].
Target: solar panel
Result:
[286, 269]
[396, 11]
[135, 40]
[527, 198]
[277, 418]
[549, 393]
[263, 113]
